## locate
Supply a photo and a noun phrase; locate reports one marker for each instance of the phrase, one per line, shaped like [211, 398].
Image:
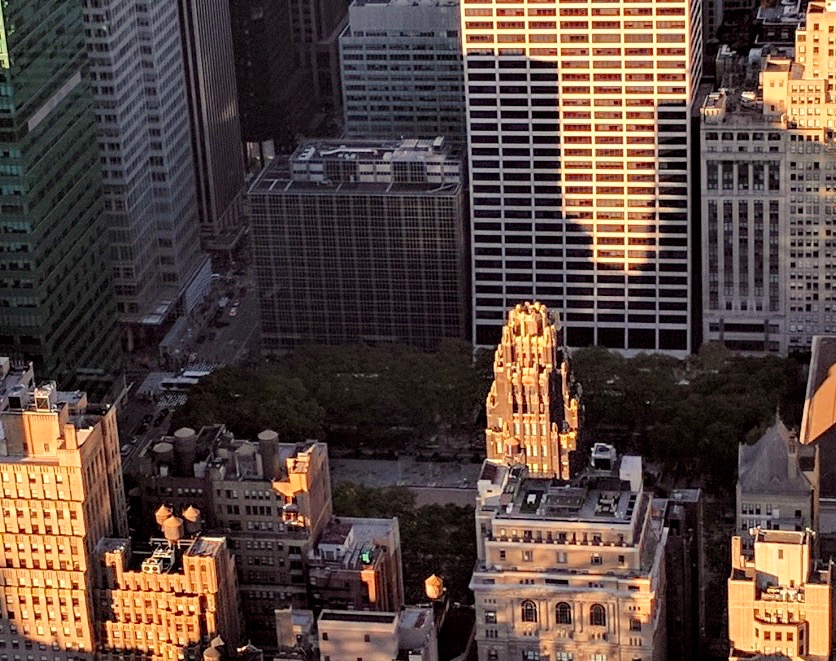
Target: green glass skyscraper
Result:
[56, 302]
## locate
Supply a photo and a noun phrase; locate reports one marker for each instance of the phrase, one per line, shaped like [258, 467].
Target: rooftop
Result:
[360, 541]
[764, 467]
[357, 616]
[354, 166]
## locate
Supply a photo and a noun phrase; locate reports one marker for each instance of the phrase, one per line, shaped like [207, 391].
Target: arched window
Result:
[597, 616]
[529, 611]
[564, 613]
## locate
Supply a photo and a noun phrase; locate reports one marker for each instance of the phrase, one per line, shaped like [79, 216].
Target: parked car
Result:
[233, 312]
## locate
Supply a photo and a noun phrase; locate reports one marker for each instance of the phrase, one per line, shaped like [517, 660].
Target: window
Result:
[597, 616]
[563, 613]
[324, 635]
[367, 638]
[596, 559]
[597, 657]
[635, 624]
[490, 617]
[531, 655]
[564, 656]
[529, 611]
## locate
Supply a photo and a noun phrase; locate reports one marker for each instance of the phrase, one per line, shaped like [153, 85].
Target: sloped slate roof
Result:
[762, 467]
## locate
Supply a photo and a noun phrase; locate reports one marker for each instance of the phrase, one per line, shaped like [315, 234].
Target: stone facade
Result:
[533, 413]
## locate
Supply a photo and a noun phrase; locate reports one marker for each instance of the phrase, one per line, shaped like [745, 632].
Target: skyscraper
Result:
[533, 413]
[579, 134]
[62, 493]
[56, 296]
[401, 70]
[136, 65]
[274, 92]
[216, 128]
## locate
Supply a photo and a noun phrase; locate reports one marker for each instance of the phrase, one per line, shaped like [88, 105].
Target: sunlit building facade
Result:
[533, 413]
[62, 492]
[167, 601]
[570, 571]
[780, 598]
[579, 136]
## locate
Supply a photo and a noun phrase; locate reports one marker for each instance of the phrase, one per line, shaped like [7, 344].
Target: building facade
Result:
[57, 304]
[168, 601]
[316, 26]
[775, 483]
[401, 70]
[356, 564]
[273, 90]
[62, 493]
[360, 241]
[579, 135]
[406, 634]
[533, 413]
[780, 598]
[768, 193]
[136, 65]
[569, 570]
[271, 501]
[206, 31]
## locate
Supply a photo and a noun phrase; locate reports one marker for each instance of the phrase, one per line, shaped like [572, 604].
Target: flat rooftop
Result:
[357, 616]
[595, 498]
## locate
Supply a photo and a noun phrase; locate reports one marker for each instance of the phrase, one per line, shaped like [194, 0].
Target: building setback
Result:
[62, 493]
[136, 65]
[401, 70]
[216, 128]
[768, 194]
[56, 294]
[360, 241]
[579, 135]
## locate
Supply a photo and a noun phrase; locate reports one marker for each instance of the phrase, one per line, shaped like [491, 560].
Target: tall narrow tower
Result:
[532, 410]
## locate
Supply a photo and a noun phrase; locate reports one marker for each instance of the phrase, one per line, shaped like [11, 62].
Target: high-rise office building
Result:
[136, 65]
[56, 295]
[780, 598]
[216, 128]
[62, 493]
[533, 413]
[579, 135]
[273, 90]
[316, 26]
[401, 70]
[360, 240]
[768, 193]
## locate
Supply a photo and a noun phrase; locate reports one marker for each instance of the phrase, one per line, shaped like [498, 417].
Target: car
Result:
[148, 417]
[141, 429]
[133, 440]
[126, 450]
[233, 312]
[236, 303]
